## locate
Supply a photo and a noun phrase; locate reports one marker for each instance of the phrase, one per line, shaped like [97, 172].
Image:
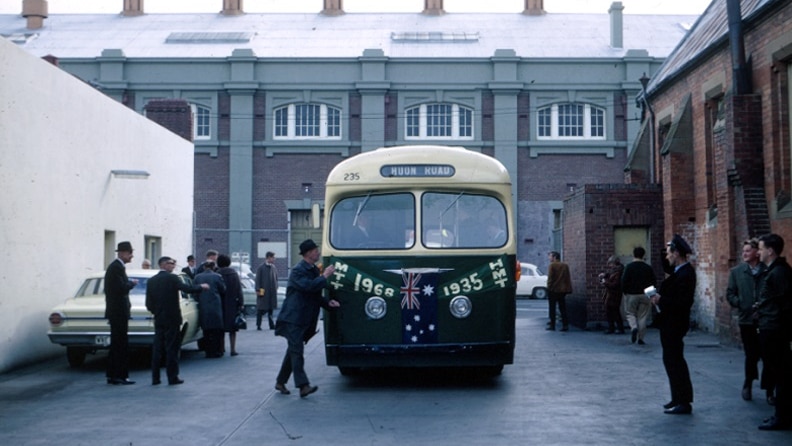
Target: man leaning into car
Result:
[162, 300]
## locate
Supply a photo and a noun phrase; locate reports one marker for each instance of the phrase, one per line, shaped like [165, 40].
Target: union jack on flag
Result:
[410, 291]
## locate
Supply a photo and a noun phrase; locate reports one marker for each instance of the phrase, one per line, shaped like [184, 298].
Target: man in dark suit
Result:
[299, 315]
[117, 307]
[190, 268]
[674, 302]
[163, 301]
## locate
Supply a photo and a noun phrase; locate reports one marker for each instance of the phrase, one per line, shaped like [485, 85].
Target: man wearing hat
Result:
[674, 302]
[163, 299]
[300, 314]
[117, 308]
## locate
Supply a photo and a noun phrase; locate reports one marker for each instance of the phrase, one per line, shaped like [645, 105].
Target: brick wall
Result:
[591, 215]
[750, 154]
[173, 114]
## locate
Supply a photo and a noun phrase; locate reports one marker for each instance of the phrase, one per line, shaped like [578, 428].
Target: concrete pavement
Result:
[564, 388]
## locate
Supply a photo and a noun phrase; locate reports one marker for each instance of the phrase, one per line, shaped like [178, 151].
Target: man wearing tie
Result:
[117, 308]
[190, 268]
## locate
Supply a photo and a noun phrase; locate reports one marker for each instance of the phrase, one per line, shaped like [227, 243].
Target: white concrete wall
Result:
[59, 140]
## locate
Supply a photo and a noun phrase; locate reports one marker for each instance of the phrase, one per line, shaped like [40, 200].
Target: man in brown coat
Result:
[559, 284]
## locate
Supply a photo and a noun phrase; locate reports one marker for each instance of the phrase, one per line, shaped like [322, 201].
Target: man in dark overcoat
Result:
[299, 315]
[266, 290]
[210, 310]
[117, 309]
[163, 300]
[674, 302]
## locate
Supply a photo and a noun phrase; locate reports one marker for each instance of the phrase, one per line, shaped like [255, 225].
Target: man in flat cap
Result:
[674, 302]
[300, 314]
[117, 311]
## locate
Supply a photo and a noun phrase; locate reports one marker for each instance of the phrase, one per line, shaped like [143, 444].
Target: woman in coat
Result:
[233, 301]
[210, 310]
[611, 280]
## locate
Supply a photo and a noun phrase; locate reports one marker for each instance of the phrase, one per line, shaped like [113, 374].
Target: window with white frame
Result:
[439, 121]
[202, 124]
[307, 121]
[571, 121]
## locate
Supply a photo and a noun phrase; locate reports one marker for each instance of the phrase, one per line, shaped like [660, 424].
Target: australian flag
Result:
[419, 305]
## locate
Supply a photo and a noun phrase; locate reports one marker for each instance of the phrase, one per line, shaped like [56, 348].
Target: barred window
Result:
[571, 121]
[439, 121]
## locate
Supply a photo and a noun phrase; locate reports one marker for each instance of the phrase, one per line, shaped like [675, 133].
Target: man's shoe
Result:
[307, 390]
[258, 328]
[773, 424]
[156, 382]
[282, 389]
[634, 335]
[550, 328]
[176, 382]
[120, 382]
[641, 342]
[746, 393]
[564, 328]
[680, 409]
[669, 404]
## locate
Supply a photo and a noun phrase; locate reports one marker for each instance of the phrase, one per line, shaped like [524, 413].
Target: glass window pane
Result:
[438, 120]
[458, 220]
[333, 122]
[413, 122]
[544, 126]
[307, 117]
[282, 122]
[465, 122]
[570, 120]
[374, 222]
[597, 122]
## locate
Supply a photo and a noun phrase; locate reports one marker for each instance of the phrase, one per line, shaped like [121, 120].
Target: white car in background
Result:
[532, 283]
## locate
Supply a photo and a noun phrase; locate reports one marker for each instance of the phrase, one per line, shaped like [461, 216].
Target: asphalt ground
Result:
[571, 388]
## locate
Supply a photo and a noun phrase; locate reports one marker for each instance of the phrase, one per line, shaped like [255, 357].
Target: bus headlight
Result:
[460, 307]
[376, 307]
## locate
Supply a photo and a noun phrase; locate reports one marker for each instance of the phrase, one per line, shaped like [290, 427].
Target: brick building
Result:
[719, 120]
[279, 99]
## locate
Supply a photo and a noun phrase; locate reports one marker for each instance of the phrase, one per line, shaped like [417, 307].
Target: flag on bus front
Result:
[419, 305]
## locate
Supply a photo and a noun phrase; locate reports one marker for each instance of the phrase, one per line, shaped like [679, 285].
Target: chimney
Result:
[35, 11]
[616, 25]
[132, 8]
[232, 7]
[333, 7]
[534, 7]
[433, 7]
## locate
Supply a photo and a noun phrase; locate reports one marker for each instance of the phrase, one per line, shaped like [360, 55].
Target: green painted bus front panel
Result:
[493, 306]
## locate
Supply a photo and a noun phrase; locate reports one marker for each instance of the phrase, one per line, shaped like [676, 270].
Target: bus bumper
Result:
[431, 355]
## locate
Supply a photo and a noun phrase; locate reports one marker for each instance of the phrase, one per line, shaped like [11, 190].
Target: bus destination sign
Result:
[417, 170]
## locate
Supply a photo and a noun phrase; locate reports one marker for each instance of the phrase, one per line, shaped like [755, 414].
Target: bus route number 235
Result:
[352, 176]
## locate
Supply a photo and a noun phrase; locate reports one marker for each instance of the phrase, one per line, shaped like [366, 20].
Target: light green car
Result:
[79, 323]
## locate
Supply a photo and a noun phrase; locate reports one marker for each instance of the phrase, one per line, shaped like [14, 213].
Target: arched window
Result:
[307, 121]
[439, 121]
[202, 126]
[571, 121]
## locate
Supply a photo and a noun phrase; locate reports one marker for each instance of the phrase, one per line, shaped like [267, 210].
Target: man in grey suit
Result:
[117, 307]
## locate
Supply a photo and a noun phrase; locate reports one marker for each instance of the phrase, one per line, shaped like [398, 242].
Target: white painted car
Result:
[79, 323]
[532, 283]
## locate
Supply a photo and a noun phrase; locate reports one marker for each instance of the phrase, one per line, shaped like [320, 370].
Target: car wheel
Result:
[76, 356]
[540, 293]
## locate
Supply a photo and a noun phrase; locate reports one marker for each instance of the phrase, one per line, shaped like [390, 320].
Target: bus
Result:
[423, 240]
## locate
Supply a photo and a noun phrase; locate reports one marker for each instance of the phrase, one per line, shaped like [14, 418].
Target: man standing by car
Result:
[266, 290]
[299, 316]
[559, 284]
[117, 308]
[162, 300]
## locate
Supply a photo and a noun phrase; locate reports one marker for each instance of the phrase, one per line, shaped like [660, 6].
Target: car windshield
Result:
[95, 286]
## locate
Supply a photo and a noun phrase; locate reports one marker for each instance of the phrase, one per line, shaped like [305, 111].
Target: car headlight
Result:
[376, 307]
[55, 319]
[460, 307]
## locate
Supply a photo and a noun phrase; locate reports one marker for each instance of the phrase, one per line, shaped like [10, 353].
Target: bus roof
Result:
[406, 164]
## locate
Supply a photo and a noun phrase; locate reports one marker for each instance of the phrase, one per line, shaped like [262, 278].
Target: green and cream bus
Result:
[423, 242]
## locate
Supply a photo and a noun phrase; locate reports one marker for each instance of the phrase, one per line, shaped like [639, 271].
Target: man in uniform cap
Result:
[674, 302]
